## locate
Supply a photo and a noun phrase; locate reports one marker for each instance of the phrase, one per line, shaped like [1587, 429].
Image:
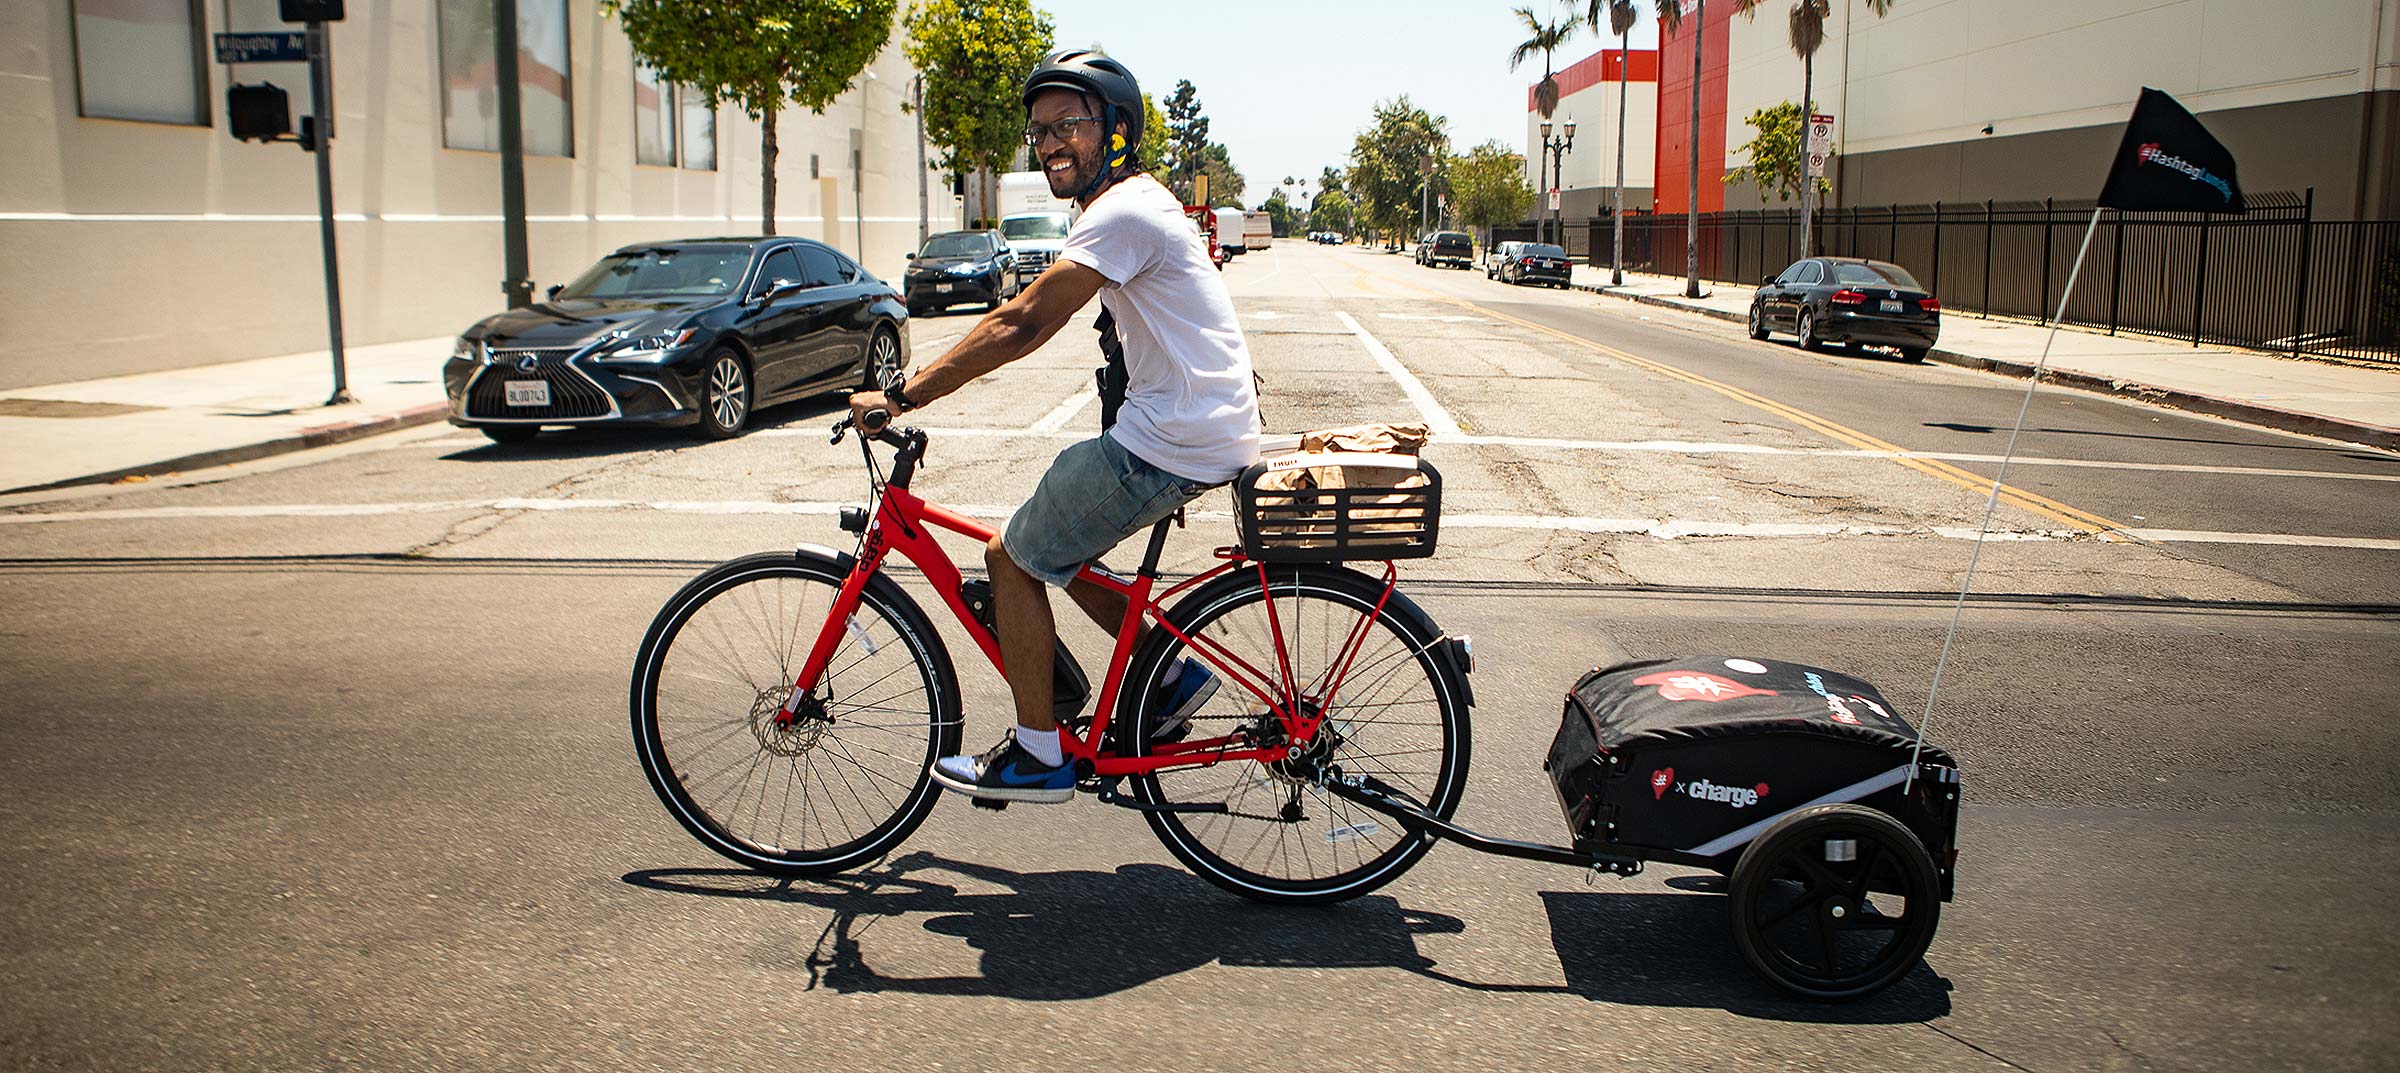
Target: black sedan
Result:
[1850, 301]
[698, 333]
[1532, 262]
[962, 266]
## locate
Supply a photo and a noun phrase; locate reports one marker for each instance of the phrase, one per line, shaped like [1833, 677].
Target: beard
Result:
[1070, 182]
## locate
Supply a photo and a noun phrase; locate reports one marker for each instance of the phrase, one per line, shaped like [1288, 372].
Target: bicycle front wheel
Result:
[1394, 707]
[834, 789]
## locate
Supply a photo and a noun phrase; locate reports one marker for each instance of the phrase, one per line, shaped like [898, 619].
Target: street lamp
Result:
[1558, 148]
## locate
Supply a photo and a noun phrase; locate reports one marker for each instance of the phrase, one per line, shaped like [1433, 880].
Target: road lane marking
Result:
[1057, 418]
[1657, 528]
[1436, 418]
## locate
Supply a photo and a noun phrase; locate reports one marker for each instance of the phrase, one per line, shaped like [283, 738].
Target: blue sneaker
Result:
[1006, 772]
[1182, 700]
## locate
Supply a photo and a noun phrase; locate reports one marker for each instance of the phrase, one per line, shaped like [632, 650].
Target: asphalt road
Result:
[322, 762]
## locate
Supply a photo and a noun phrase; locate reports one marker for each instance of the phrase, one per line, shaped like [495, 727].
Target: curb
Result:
[2253, 413]
[315, 436]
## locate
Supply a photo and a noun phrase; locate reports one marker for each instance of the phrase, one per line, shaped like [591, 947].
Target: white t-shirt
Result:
[1191, 408]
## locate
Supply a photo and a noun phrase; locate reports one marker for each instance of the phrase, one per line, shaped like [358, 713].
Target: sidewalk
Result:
[2341, 402]
[186, 419]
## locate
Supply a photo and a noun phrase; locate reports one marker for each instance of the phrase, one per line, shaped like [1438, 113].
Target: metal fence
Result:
[2274, 279]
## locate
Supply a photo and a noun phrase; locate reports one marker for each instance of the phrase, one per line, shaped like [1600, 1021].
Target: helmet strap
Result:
[1111, 155]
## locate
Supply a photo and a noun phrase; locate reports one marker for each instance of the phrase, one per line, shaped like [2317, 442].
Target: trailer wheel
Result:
[1835, 902]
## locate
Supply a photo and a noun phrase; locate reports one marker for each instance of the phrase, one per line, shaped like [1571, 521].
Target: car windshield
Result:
[663, 272]
[1450, 238]
[1875, 274]
[956, 246]
[1535, 249]
[1047, 225]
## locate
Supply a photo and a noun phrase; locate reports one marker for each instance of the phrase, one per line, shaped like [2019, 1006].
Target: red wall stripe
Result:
[1640, 65]
[1675, 112]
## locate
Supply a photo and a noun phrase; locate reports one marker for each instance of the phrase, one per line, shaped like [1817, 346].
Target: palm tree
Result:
[1670, 20]
[1545, 39]
[1808, 33]
[1621, 14]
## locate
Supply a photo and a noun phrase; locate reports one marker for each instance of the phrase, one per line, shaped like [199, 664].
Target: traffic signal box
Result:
[261, 112]
[312, 10]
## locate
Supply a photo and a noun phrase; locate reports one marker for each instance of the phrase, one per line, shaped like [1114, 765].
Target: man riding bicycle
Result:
[1188, 421]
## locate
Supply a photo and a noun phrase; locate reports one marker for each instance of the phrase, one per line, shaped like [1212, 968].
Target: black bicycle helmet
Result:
[1104, 79]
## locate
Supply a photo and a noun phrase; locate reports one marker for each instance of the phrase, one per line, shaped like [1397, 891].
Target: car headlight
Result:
[649, 347]
[466, 350]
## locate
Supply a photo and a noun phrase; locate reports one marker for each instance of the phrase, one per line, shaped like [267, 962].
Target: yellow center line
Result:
[2034, 502]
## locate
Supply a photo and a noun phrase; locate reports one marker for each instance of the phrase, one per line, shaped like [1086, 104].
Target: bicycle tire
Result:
[747, 624]
[1399, 671]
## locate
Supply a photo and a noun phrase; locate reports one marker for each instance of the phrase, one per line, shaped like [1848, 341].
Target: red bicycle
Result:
[787, 706]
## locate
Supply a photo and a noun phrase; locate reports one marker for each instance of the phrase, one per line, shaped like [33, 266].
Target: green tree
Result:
[974, 55]
[759, 54]
[1330, 212]
[1280, 213]
[1488, 187]
[1152, 152]
[1807, 35]
[1330, 181]
[1545, 39]
[1775, 150]
[1185, 139]
[1388, 181]
[1224, 180]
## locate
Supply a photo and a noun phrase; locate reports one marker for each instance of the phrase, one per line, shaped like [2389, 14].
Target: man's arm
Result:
[1014, 330]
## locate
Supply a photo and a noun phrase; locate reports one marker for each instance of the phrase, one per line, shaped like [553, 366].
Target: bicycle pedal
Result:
[987, 802]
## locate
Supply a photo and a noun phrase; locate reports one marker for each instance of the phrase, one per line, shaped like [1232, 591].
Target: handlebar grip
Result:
[876, 421]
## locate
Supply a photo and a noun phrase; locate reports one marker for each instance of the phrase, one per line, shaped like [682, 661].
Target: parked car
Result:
[1849, 301]
[1530, 262]
[700, 332]
[961, 266]
[1500, 251]
[1447, 248]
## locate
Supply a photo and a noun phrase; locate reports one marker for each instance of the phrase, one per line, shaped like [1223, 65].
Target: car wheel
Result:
[1808, 331]
[725, 397]
[510, 434]
[883, 359]
[1758, 320]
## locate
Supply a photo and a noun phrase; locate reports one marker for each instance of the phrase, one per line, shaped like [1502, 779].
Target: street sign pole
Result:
[1818, 146]
[518, 284]
[320, 80]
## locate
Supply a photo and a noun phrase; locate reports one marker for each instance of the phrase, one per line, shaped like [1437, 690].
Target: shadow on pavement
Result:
[1145, 922]
[596, 441]
[1069, 934]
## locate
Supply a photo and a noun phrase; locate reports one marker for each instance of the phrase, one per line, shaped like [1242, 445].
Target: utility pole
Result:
[320, 142]
[518, 281]
[916, 93]
[261, 113]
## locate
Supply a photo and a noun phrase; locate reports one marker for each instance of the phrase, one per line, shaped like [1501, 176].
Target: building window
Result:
[653, 118]
[470, 94]
[699, 127]
[140, 59]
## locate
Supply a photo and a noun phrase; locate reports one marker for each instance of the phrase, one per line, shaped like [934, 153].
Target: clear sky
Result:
[1287, 84]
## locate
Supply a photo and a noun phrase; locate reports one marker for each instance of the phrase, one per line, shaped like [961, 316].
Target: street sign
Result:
[275, 47]
[1816, 164]
[1820, 133]
[1554, 199]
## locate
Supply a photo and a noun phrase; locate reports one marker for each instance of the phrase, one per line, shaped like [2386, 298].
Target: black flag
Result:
[2169, 163]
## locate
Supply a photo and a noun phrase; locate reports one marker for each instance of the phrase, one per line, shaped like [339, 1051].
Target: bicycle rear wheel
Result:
[838, 787]
[1399, 714]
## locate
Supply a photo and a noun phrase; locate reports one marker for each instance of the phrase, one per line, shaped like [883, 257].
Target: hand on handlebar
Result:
[870, 412]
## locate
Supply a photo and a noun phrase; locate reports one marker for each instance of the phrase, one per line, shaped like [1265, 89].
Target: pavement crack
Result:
[1964, 1042]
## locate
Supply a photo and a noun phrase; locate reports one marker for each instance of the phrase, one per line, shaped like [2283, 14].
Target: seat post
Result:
[1158, 542]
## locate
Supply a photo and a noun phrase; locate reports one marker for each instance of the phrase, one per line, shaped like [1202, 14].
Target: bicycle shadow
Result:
[1140, 923]
[1146, 922]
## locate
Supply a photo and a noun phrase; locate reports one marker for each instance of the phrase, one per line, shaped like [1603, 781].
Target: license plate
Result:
[941, 288]
[1891, 307]
[528, 392]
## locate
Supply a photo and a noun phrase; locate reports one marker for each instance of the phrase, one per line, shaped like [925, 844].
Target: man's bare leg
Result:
[1027, 634]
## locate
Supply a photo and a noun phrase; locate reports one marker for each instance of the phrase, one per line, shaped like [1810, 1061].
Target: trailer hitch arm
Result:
[1372, 793]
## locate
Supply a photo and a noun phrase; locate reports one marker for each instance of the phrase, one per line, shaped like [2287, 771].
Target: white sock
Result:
[1043, 744]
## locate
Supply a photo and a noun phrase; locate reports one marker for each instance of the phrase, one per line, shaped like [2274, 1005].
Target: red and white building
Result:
[1587, 94]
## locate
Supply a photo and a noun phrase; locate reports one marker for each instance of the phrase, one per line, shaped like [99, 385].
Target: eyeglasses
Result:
[1064, 127]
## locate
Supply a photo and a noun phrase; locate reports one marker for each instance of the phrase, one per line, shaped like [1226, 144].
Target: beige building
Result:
[1588, 94]
[1962, 100]
[140, 235]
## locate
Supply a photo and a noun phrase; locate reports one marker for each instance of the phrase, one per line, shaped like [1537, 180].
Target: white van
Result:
[1258, 230]
[1232, 228]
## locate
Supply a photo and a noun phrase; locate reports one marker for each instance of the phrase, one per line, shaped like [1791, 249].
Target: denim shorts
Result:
[1095, 495]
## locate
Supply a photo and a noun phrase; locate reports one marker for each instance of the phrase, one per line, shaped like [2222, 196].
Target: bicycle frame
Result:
[903, 522]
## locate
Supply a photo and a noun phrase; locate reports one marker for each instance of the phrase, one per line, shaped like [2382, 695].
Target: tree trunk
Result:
[1691, 207]
[1616, 261]
[1808, 184]
[767, 151]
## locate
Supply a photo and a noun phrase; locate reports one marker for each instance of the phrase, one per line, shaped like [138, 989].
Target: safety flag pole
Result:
[2167, 162]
